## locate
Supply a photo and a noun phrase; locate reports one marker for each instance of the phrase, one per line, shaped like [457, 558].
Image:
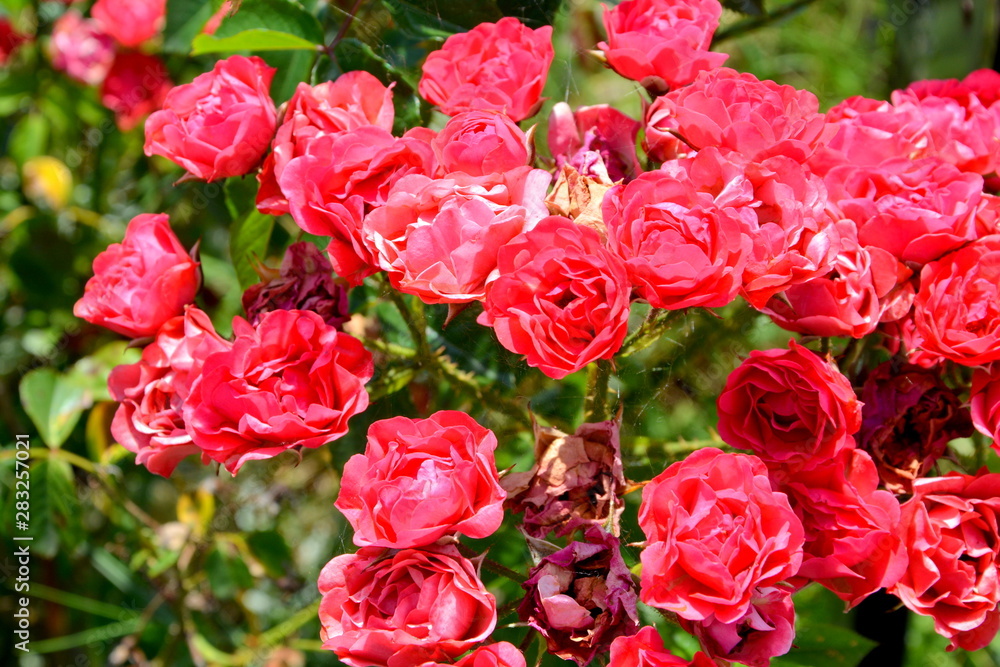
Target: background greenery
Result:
[130, 568]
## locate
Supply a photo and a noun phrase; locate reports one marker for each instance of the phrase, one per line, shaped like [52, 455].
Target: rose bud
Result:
[597, 134]
[388, 608]
[957, 309]
[151, 392]
[423, 479]
[304, 282]
[355, 99]
[142, 282]
[498, 66]
[581, 598]
[986, 403]
[290, 382]
[852, 540]
[908, 418]
[562, 299]
[645, 649]
[716, 531]
[789, 407]
[949, 528]
[134, 87]
[130, 22]
[501, 654]
[662, 44]
[765, 632]
[220, 124]
[81, 49]
[576, 482]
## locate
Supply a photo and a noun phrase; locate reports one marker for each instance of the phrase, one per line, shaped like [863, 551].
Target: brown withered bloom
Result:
[577, 481]
[304, 282]
[581, 598]
[908, 418]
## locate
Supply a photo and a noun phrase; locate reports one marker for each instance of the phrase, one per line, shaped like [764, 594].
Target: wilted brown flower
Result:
[577, 481]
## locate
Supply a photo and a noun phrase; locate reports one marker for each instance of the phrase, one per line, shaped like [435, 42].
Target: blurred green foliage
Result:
[202, 569]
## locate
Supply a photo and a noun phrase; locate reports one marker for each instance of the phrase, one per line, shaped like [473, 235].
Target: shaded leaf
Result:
[185, 20]
[828, 645]
[54, 403]
[749, 7]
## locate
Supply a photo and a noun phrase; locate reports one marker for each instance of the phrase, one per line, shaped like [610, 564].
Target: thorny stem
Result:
[596, 403]
[342, 32]
[656, 324]
[751, 24]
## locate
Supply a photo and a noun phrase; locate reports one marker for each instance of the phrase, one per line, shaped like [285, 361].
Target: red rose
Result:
[795, 239]
[10, 40]
[715, 531]
[480, 143]
[949, 528]
[852, 529]
[339, 178]
[220, 124]
[957, 310]
[438, 238]
[134, 87]
[498, 66]
[142, 282]
[81, 49]
[917, 210]
[734, 111]
[595, 135]
[789, 407]
[501, 654]
[293, 381]
[562, 299]
[151, 392]
[986, 403]
[645, 649]
[683, 231]
[401, 608]
[422, 479]
[765, 632]
[661, 44]
[355, 99]
[130, 22]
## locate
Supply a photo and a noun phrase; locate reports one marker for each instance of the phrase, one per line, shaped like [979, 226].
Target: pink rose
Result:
[795, 239]
[501, 654]
[220, 124]
[715, 532]
[142, 282]
[985, 402]
[562, 299]
[683, 231]
[134, 87]
[789, 407]
[662, 44]
[152, 392]
[917, 210]
[852, 529]
[81, 49]
[480, 143]
[957, 310]
[422, 479]
[765, 632]
[734, 111]
[645, 649]
[390, 608]
[355, 99]
[438, 238]
[498, 66]
[291, 382]
[338, 178]
[130, 22]
[592, 136]
[949, 528]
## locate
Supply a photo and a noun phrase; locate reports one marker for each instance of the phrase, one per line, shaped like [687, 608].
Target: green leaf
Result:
[441, 18]
[248, 245]
[227, 575]
[55, 511]
[749, 7]
[828, 645]
[54, 403]
[29, 138]
[185, 20]
[91, 372]
[270, 548]
[257, 39]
